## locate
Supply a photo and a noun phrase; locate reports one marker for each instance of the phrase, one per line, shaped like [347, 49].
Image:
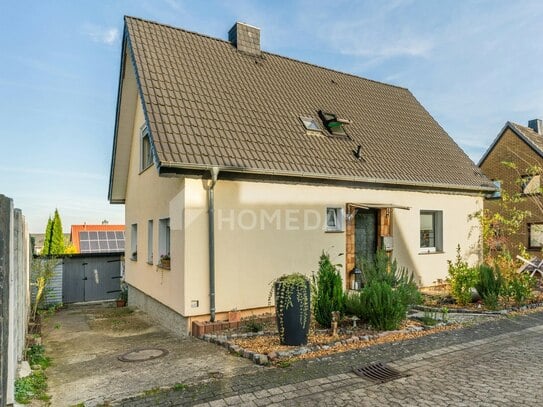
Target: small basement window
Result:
[310, 123]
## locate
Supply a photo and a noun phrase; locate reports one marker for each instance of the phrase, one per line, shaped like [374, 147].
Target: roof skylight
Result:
[310, 123]
[333, 123]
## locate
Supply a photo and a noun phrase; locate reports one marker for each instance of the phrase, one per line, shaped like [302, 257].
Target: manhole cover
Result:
[141, 355]
[378, 372]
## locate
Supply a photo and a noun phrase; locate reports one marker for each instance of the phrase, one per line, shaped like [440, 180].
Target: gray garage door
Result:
[91, 279]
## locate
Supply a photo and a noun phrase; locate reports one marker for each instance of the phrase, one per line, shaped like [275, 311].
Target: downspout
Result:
[211, 222]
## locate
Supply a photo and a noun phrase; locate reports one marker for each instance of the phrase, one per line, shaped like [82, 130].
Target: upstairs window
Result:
[498, 193]
[146, 154]
[531, 184]
[535, 233]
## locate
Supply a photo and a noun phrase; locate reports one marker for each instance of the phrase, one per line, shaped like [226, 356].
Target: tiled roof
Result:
[535, 139]
[208, 104]
[530, 137]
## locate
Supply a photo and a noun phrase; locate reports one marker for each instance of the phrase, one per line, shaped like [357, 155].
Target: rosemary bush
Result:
[327, 290]
[383, 306]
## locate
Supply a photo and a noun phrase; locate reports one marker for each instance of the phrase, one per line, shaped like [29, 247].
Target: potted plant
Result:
[123, 296]
[292, 308]
[134, 255]
[165, 261]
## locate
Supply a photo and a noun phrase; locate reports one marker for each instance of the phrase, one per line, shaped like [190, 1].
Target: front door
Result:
[365, 234]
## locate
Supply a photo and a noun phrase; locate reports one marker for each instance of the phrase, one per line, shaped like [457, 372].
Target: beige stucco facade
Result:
[264, 230]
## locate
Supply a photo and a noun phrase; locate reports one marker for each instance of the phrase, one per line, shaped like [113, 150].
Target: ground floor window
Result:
[334, 219]
[164, 237]
[134, 241]
[431, 231]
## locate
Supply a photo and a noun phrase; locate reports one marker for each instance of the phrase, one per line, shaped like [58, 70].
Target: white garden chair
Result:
[532, 266]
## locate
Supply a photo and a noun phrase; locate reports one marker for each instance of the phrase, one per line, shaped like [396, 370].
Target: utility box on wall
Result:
[388, 243]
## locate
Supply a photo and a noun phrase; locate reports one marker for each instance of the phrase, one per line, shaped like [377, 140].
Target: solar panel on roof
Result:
[101, 241]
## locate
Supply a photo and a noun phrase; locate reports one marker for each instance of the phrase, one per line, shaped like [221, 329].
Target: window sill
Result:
[160, 266]
[434, 252]
[134, 258]
[150, 263]
[333, 231]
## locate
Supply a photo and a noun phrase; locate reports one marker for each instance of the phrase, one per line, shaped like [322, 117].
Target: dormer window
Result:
[333, 124]
[146, 155]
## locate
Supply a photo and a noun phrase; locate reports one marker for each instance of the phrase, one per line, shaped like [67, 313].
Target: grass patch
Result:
[151, 392]
[36, 356]
[179, 387]
[31, 387]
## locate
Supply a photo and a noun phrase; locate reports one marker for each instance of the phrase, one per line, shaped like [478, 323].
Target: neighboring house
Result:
[102, 238]
[522, 146]
[244, 165]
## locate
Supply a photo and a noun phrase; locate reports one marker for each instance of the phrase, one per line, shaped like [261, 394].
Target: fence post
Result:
[6, 211]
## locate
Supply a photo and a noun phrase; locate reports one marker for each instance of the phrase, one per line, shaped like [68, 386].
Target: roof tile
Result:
[213, 104]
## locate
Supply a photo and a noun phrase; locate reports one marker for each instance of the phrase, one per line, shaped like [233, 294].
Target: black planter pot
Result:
[293, 327]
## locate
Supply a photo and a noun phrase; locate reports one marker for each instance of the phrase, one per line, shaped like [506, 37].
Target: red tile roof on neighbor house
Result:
[98, 238]
[209, 103]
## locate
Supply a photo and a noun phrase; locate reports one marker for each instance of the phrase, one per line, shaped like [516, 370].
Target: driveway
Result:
[85, 341]
[497, 363]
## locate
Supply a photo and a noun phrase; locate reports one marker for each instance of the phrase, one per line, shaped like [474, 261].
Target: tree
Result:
[54, 238]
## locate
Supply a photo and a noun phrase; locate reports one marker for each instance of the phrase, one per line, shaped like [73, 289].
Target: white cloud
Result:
[105, 35]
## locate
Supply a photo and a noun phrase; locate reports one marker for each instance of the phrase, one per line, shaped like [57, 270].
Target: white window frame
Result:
[145, 160]
[339, 218]
[134, 241]
[150, 234]
[164, 236]
[437, 227]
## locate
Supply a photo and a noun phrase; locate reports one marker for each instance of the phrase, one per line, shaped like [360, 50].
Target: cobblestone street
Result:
[495, 363]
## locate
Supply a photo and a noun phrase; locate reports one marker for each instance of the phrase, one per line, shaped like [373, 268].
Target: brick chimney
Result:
[536, 125]
[245, 38]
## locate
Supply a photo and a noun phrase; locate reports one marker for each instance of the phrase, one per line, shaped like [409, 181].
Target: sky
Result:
[474, 65]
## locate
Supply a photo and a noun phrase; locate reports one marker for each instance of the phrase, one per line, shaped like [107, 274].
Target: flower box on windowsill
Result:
[164, 264]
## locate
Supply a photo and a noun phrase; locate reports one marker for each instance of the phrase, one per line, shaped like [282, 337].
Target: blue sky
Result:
[472, 64]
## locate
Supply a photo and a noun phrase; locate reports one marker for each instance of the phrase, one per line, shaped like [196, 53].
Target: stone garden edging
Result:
[266, 359]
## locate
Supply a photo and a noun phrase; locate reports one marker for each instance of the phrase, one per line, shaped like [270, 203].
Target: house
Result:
[522, 146]
[242, 165]
[102, 238]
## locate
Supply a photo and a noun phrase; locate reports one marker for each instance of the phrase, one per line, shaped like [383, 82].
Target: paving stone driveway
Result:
[85, 341]
[495, 363]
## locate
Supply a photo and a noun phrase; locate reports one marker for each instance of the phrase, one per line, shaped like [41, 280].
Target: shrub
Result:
[520, 287]
[327, 291]
[489, 285]
[354, 305]
[383, 306]
[462, 279]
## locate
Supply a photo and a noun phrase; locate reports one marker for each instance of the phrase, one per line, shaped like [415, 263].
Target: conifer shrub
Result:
[327, 290]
